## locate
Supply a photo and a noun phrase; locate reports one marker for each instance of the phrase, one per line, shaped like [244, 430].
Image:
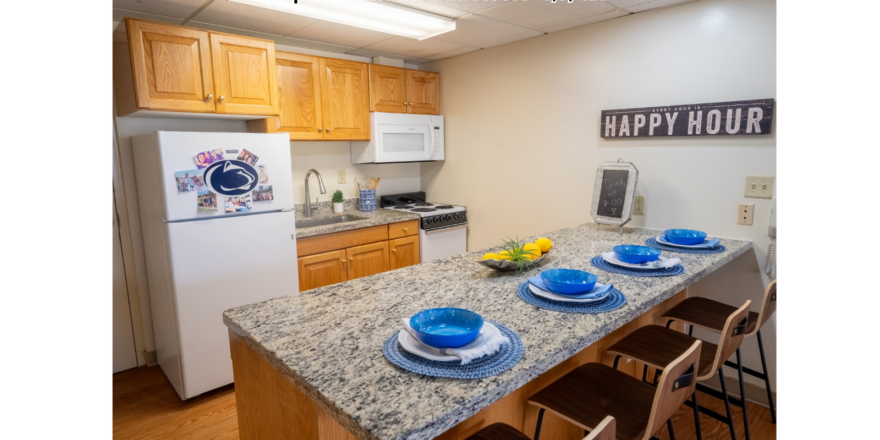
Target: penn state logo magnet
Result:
[231, 177]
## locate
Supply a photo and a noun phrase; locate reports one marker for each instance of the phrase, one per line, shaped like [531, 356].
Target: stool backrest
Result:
[606, 430]
[732, 336]
[676, 384]
[768, 306]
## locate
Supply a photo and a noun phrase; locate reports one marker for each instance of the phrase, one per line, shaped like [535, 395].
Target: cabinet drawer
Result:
[403, 229]
[340, 240]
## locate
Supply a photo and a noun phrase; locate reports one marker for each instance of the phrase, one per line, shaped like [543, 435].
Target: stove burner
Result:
[402, 207]
[424, 204]
[422, 210]
[444, 207]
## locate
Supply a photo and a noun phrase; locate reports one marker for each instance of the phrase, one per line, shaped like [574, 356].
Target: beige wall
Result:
[522, 130]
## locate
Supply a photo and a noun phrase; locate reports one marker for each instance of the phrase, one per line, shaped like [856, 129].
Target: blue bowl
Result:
[633, 254]
[446, 327]
[685, 236]
[568, 281]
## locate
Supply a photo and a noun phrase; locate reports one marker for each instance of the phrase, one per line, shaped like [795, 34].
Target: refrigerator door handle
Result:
[215, 217]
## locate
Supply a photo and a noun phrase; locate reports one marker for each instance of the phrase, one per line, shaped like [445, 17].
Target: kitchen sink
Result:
[328, 221]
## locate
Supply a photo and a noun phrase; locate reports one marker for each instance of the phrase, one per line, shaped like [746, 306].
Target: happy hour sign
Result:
[721, 118]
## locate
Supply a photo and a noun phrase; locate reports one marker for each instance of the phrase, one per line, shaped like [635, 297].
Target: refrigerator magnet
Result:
[248, 157]
[206, 158]
[207, 201]
[263, 193]
[189, 180]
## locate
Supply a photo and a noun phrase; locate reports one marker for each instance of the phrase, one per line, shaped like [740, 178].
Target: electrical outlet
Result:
[760, 187]
[746, 214]
[340, 174]
[639, 205]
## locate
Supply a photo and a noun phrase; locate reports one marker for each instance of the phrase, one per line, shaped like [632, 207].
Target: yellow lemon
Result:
[534, 249]
[504, 255]
[491, 256]
[544, 243]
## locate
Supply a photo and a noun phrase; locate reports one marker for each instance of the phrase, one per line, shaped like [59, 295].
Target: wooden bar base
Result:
[270, 406]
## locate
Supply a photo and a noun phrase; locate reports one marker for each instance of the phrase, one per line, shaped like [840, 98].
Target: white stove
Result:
[442, 229]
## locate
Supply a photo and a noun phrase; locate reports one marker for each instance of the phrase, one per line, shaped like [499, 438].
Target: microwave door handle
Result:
[433, 143]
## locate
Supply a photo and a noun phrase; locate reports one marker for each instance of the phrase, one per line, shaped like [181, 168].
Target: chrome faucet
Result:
[320, 185]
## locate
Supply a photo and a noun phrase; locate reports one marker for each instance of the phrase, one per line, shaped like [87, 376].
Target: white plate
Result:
[662, 240]
[616, 262]
[418, 348]
[563, 298]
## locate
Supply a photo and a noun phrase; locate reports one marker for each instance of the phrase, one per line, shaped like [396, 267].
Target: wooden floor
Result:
[145, 406]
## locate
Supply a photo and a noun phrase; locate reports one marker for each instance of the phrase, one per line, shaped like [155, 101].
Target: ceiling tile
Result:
[541, 14]
[414, 48]
[415, 61]
[341, 34]
[453, 53]
[288, 41]
[511, 39]
[376, 53]
[474, 30]
[242, 16]
[168, 8]
[314, 45]
[644, 5]
[470, 5]
[120, 14]
[433, 6]
[585, 21]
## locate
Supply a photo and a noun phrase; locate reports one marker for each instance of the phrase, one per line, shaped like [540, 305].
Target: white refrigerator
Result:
[218, 226]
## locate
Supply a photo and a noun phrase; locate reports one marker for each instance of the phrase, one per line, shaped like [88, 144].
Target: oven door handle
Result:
[431, 231]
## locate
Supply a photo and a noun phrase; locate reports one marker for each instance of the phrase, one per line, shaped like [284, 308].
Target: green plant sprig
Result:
[337, 197]
[518, 255]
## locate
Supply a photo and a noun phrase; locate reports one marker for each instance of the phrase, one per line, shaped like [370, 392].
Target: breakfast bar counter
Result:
[310, 365]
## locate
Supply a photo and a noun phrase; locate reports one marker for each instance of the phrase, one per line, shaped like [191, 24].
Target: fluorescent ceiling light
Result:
[367, 14]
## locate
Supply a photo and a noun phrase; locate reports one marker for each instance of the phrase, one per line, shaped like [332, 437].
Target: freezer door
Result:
[179, 153]
[219, 264]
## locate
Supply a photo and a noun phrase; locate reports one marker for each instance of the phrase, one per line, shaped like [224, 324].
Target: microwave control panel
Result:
[438, 137]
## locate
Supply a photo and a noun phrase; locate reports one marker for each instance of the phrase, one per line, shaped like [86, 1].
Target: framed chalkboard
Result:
[614, 192]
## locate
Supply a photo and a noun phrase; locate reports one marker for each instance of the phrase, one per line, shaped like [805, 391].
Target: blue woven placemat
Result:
[652, 242]
[615, 300]
[600, 262]
[485, 366]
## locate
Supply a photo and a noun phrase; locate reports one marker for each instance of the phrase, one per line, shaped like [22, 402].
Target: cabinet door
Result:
[244, 75]
[387, 89]
[367, 260]
[423, 92]
[404, 252]
[299, 90]
[171, 66]
[345, 96]
[322, 270]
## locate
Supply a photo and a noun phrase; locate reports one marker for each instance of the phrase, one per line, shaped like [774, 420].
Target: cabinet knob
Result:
[328, 129]
[320, 129]
[222, 98]
[209, 97]
[405, 230]
[393, 250]
[343, 261]
[352, 259]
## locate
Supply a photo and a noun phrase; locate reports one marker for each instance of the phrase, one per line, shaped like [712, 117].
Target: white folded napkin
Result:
[487, 343]
[661, 263]
[708, 244]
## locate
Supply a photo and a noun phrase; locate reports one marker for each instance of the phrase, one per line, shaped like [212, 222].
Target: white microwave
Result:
[401, 137]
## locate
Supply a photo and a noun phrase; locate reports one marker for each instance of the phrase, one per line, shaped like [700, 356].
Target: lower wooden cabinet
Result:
[322, 270]
[367, 260]
[404, 252]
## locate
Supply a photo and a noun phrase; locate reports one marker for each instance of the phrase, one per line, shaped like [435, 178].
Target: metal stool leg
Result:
[766, 379]
[697, 416]
[538, 427]
[742, 394]
[726, 404]
[671, 430]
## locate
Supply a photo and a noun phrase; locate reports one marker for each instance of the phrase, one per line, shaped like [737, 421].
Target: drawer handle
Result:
[405, 230]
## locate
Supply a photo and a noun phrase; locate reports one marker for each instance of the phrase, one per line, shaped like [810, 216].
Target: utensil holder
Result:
[367, 201]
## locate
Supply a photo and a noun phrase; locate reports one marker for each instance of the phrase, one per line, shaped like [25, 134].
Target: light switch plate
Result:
[340, 174]
[760, 187]
[639, 205]
[745, 215]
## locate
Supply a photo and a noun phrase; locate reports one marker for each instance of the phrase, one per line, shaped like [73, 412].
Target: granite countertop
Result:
[329, 340]
[325, 209]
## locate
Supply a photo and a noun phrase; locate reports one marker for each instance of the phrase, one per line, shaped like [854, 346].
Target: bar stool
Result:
[500, 431]
[708, 314]
[592, 391]
[656, 346]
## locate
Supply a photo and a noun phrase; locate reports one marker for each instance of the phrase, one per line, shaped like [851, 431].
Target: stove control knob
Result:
[456, 216]
[448, 217]
[437, 219]
[428, 220]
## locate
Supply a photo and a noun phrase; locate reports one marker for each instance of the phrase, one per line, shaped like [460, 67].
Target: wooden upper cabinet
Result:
[299, 90]
[244, 75]
[404, 252]
[171, 67]
[423, 92]
[387, 89]
[345, 97]
[367, 260]
[322, 270]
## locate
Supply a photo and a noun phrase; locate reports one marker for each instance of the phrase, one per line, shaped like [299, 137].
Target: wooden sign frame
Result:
[628, 196]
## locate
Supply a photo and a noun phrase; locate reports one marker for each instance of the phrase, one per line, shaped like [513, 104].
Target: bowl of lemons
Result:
[517, 255]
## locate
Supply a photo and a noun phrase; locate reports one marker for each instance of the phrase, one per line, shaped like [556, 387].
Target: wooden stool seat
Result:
[658, 346]
[708, 314]
[592, 391]
[499, 431]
